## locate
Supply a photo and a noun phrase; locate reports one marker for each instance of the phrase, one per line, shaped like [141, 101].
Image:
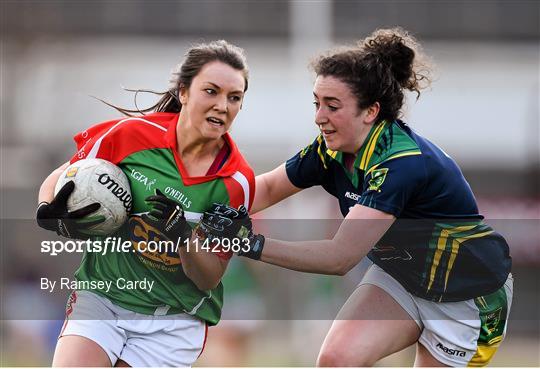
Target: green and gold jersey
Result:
[438, 248]
[145, 148]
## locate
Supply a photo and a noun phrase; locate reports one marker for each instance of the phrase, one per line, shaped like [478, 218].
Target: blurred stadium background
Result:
[483, 109]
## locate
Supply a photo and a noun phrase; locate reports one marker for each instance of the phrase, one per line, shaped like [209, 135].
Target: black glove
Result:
[223, 221]
[76, 224]
[168, 217]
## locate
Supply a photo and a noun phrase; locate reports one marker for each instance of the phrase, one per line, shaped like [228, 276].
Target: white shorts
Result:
[464, 333]
[139, 340]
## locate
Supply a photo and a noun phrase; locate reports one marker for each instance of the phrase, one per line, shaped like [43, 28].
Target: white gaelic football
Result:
[98, 180]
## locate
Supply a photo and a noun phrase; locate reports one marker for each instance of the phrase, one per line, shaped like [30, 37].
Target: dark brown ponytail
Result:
[195, 59]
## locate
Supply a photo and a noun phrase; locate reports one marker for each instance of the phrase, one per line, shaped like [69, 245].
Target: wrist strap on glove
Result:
[256, 245]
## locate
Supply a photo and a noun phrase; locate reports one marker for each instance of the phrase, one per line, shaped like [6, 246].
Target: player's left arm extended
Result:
[359, 232]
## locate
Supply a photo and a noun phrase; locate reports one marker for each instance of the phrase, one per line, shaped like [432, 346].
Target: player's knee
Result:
[343, 356]
[327, 359]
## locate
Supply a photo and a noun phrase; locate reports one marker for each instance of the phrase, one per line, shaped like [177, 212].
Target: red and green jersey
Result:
[145, 148]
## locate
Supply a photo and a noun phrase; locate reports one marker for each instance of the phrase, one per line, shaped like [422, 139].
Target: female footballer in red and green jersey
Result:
[440, 277]
[179, 159]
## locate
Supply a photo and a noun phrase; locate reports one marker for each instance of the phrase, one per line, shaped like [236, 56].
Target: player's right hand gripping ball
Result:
[223, 221]
[55, 216]
[167, 215]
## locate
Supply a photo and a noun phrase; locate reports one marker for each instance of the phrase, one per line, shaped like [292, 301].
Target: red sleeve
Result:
[87, 139]
[241, 189]
[251, 178]
[116, 139]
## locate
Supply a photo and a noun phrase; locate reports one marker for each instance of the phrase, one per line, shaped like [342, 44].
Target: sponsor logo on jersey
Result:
[377, 179]
[72, 172]
[352, 195]
[450, 351]
[141, 234]
[179, 196]
[141, 178]
[118, 191]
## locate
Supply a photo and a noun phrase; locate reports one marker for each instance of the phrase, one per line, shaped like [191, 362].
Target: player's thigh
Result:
[77, 351]
[425, 359]
[176, 341]
[89, 330]
[371, 325]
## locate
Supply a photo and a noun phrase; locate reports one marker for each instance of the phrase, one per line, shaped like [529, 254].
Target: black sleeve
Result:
[308, 167]
[391, 185]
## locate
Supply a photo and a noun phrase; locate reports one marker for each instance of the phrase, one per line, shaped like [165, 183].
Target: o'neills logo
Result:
[450, 351]
[121, 193]
[179, 196]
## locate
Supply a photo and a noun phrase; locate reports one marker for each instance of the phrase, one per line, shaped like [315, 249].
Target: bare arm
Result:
[204, 268]
[271, 188]
[46, 191]
[358, 233]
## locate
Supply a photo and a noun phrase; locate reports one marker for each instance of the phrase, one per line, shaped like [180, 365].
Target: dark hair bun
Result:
[378, 69]
[391, 49]
[395, 48]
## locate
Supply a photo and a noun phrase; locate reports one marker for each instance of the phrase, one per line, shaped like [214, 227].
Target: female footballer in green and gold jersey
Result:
[441, 277]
